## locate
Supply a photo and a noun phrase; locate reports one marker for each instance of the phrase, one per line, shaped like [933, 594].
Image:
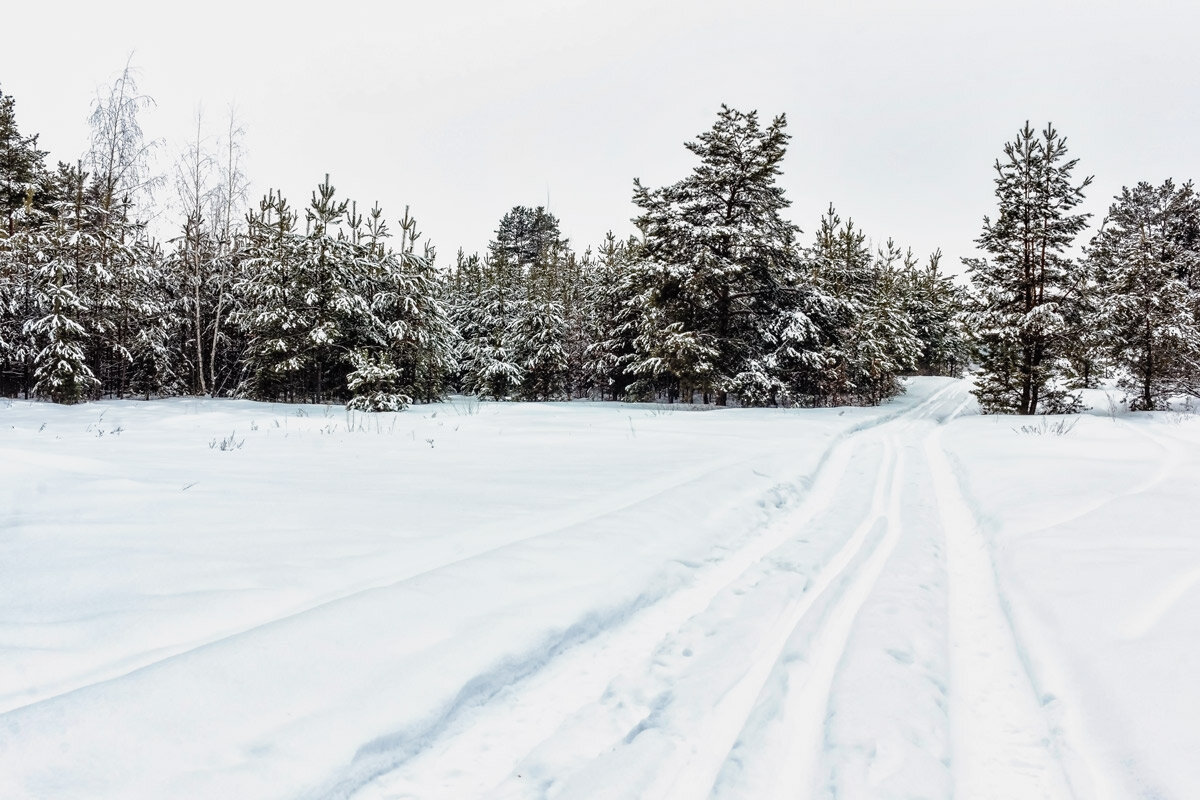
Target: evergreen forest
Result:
[718, 297]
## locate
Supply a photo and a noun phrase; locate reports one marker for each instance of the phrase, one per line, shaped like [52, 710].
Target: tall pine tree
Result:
[716, 253]
[1143, 258]
[1024, 292]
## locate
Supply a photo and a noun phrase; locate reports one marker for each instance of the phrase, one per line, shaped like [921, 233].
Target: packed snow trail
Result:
[648, 638]
[1002, 740]
[760, 658]
[458, 628]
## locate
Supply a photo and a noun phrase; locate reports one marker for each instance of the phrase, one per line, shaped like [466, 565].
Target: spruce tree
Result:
[1025, 292]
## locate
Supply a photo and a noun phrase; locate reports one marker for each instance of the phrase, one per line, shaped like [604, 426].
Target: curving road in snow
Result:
[596, 601]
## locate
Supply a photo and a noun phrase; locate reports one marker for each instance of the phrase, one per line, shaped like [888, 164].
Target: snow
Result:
[573, 600]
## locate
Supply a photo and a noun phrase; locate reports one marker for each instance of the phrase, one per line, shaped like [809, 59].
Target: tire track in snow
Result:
[569, 685]
[1090, 773]
[135, 662]
[778, 750]
[669, 725]
[1003, 745]
[783, 750]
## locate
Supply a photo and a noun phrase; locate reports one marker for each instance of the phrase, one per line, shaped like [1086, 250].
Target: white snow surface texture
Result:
[597, 600]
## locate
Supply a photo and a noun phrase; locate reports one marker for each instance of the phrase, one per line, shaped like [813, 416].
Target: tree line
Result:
[717, 298]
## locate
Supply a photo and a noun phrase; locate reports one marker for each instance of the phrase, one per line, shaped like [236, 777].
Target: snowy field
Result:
[225, 599]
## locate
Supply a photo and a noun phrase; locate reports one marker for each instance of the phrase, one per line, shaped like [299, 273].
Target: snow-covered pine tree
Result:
[540, 336]
[870, 335]
[154, 351]
[529, 246]
[63, 252]
[271, 315]
[464, 290]
[26, 193]
[935, 304]
[490, 361]
[715, 248]
[328, 281]
[1023, 294]
[886, 344]
[374, 383]
[1143, 257]
[413, 327]
[606, 294]
[23, 175]
[21, 256]
[540, 333]
[572, 293]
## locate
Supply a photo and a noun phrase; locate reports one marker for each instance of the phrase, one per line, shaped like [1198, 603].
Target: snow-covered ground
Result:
[224, 599]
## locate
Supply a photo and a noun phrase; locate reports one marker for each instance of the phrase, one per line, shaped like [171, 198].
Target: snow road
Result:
[596, 601]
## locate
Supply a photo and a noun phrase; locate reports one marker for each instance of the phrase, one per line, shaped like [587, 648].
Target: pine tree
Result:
[715, 254]
[1025, 293]
[374, 384]
[26, 194]
[864, 314]
[935, 304]
[21, 257]
[60, 330]
[271, 313]
[154, 352]
[1143, 257]
[413, 328]
[529, 250]
[885, 342]
[490, 364]
[22, 169]
[605, 299]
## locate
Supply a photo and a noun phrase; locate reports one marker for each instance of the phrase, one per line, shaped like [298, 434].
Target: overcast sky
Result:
[464, 109]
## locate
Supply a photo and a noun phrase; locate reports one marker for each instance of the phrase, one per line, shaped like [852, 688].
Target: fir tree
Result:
[1025, 293]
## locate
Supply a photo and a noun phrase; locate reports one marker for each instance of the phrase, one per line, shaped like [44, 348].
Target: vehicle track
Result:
[1003, 744]
[787, 748]
[591, 687]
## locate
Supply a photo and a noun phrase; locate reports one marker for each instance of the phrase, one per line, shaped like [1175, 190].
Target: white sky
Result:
[465, 108]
